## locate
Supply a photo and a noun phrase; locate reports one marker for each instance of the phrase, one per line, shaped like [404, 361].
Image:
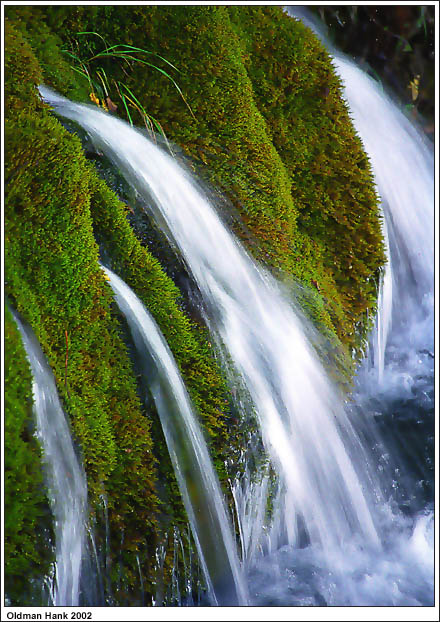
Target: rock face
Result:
[250, 98]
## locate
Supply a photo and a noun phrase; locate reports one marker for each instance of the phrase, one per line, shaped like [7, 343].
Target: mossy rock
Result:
[55, 282]
[55, 205]
[268, 126]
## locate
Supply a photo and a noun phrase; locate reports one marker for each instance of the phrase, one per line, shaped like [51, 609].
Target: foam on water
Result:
[403, 575]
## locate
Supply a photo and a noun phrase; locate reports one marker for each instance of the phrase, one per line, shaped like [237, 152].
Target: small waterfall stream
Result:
[403, 167]
[196, 477]
[65, 477]
[403, 164]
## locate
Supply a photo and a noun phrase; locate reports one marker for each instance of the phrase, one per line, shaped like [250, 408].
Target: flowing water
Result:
[339, 533]
[196, 477]
[403, 166]
[296, 406]
[65, 477]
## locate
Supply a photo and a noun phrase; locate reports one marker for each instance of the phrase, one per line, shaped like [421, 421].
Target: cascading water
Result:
[196, 477]
[404, 170]
[395, 387]
[65, 477]
[305, 430]
[403, 165]
[384, 310]
[342, 542]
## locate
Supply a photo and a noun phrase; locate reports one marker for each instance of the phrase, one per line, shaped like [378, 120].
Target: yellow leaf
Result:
[414, 86]
[94, 99]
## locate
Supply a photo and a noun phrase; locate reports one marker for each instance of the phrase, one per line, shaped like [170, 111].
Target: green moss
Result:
[22, 72]
[28, 537]
[55, 282]
[56, 204]
[188, 341]
[272, 132]
[299, 95]
[143, 273]
[47, 47]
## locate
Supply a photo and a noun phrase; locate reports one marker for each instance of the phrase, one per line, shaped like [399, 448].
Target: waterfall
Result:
[65, 477]
[195, 475]
[324, 469]
[334, 538]
[403, 165]
[384, 309]
[399, 397]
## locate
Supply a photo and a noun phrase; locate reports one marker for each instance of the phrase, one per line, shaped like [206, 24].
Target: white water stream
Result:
[403, 164]
[403, 167]
[304, 428]
[195, 475]
[65, 477]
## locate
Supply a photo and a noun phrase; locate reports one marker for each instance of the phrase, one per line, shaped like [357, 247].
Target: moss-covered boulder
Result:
[54, 280]
[55, 206]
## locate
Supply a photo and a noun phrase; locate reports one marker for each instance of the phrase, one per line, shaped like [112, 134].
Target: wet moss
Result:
[55, 282]
[44, 49]
[188, 341]
[300, 97]
[55, 206]
[270, 129]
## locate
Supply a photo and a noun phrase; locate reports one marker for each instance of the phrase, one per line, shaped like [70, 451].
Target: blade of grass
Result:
[146, 117]
[162, 71]
[133, 96]
[103, 83]
[132, 47]
[93, 33]
[127, 110]
[125, 52]
[83, 71]
[149, 120]
[149, 127]
[74, 56]
[162, 133]
[135, 104]
[85, 74]
[106, 79]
